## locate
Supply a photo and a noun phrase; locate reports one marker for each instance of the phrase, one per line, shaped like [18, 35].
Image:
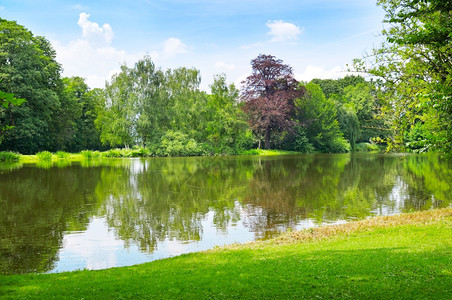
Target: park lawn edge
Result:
[402, 256]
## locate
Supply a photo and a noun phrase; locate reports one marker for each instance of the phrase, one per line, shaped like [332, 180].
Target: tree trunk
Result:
[267, 138]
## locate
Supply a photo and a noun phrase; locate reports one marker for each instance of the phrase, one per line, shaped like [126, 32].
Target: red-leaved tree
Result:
[269, 94]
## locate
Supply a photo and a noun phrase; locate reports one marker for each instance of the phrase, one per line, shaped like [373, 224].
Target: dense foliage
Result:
[28, 69]
[168, 113]
[406, 105]
[269, 94]
[414, 71]
[7, 101]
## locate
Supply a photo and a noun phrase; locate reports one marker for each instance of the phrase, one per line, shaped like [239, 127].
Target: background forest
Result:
[404, 104]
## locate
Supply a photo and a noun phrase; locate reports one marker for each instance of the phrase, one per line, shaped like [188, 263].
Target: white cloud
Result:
[174, 46]
[312, 72]
[93, 32]
[82, 58]
[281, 31]
[222, 66]
[92, 56]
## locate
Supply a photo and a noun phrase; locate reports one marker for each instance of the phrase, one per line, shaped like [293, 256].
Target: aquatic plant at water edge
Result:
[44, 156]
[89, 154]
[7, 156]
[62, 154]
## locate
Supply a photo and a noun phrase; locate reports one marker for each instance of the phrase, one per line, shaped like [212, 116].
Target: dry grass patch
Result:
[422, 217]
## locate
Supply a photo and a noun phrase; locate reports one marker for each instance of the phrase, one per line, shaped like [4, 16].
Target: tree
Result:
[226, 129]
[363, 100]
[152, 105]
[7, 100]
[84, 112]
[319, 117]
[269, 94]
[332, 87]
[414, 68]
[358, 108]
[29, 70]
[117, 115]
[186, 103]
[349, 123]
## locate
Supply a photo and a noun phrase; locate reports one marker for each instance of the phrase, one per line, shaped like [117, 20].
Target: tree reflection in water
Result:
[148, 201]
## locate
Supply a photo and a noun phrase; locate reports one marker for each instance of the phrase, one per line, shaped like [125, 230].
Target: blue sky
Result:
[93, 38]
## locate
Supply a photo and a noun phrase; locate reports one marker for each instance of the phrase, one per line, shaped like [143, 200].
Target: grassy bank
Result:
[268, 152]
[60, 156]
[397, 257]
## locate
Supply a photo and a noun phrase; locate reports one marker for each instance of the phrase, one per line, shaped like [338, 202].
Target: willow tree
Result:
[269, 94]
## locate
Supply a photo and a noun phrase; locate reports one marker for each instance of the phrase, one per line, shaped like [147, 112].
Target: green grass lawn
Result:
[398, 257]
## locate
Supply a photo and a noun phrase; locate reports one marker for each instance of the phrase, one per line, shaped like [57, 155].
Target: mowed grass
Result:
[398, 257]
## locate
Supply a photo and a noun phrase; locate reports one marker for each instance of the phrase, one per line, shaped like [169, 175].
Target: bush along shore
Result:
[46, 156]
[407, 256]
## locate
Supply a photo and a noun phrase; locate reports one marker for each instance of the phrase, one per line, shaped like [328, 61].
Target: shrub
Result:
[301, 142]
[364, 147]
[250, 152]
[175, 143]
[126, 152]
[44, 156]
[339, 145]
[7, 156]
[141, 152]
[88, 154]
[112, 153]
[62, 154]
[418, 138]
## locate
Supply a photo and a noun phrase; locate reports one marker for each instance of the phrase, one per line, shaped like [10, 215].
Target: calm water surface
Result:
[101, 214]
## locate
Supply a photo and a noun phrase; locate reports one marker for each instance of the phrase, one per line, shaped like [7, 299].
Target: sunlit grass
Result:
[120, 153]
[44, 156]
[396, 257]
[63, 155]
[9, 157]
[268, 152]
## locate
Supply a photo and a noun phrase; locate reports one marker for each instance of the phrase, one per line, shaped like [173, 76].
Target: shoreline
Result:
[424, 238]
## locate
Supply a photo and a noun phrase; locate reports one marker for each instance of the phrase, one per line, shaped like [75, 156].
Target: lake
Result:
[117, 212]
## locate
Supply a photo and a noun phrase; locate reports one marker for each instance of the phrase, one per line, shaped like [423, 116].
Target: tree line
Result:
[405, 105]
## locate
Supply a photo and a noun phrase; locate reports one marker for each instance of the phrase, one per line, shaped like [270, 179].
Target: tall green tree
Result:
[414, 66]
[82, 103]
[151, 101]
[319, 116]
[7, 100]
[63, 126]
[226, 125]
[335, 87]
[117, 114]
[29, 70]
[186, 101]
